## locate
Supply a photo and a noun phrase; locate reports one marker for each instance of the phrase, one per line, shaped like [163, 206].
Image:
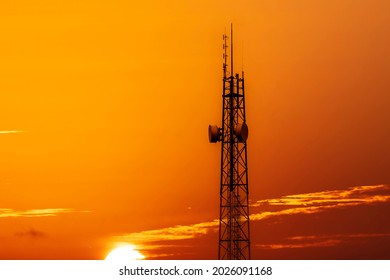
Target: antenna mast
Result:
[234, 242]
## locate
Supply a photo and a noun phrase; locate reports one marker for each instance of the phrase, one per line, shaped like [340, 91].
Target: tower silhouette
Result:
[234, 242]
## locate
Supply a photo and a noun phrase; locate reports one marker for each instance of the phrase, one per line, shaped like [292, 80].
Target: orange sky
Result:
[104, 114]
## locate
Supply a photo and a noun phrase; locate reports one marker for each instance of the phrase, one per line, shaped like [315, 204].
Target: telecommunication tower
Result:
[234, 242]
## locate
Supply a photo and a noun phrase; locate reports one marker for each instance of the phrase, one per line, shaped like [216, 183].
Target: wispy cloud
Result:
[50, 212]
[31, 233]
[309, 241]
[324, 243]
[351, 196]
[307, 203]
[11, 131]
[337, 236]
[310, 203]
[178, 232]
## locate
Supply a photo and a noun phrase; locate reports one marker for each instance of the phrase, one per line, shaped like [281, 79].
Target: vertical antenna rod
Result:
[231, 49]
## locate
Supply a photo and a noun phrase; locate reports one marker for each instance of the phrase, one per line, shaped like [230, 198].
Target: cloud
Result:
[11, 131]
[310, 241]
[50, 212]
[325, 243]
[351, 196]
[31, 233]
[338, 236]
[307, 203]
[178, 232]
[311, 203]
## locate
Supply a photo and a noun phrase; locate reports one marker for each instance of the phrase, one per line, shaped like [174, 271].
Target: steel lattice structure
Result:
[234, 241]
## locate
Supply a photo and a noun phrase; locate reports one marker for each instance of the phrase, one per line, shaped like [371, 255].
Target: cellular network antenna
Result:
[234, 242]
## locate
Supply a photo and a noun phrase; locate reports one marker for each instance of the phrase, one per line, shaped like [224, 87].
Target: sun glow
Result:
[124, 253]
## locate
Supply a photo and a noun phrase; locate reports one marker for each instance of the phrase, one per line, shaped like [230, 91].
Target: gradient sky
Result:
[103, 127]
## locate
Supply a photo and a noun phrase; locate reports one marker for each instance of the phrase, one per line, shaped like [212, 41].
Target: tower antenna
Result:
[234, 241]
[231, 49]
[225, 55]
[242, 59]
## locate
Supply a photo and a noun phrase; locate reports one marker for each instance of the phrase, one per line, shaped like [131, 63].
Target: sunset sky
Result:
[104, 110]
